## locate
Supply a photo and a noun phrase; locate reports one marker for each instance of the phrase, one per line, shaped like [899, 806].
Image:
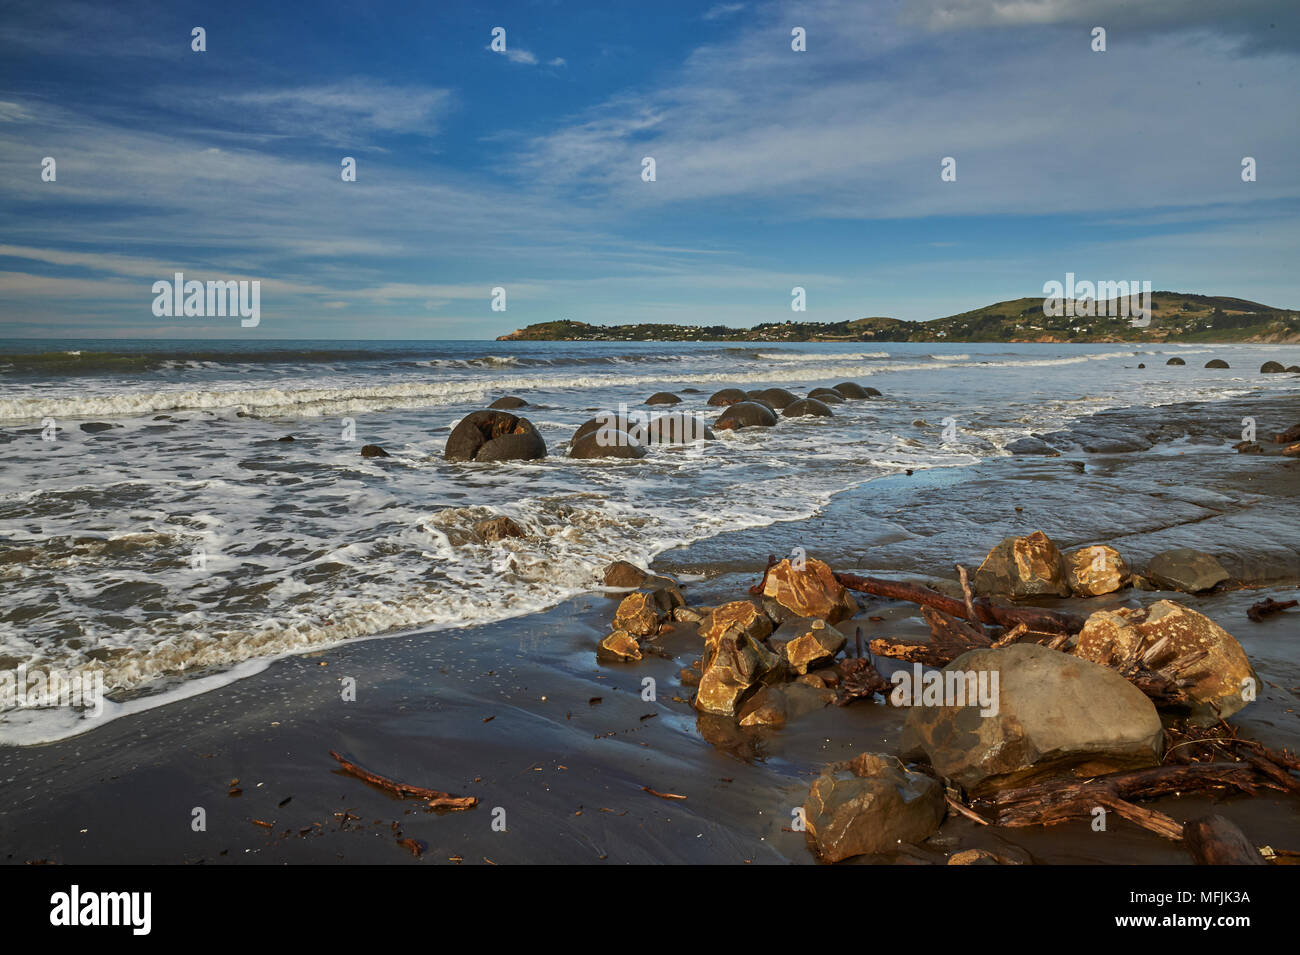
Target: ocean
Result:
[183, 545]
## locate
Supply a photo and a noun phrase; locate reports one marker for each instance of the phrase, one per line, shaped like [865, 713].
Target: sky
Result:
[522, 169]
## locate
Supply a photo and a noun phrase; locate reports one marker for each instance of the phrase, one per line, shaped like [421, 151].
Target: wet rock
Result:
[813, 649]
[622, 574]
[1096, 570]
[95, 427]
[596, 445]
[807, 407]
[810, 591]
[668, 598]
[1271, 368]
[742, 615]
[610, 423]
[638, 615]
[733, 670]
[687, 615]
[778, 398]
[1219, 680]
[870, 806]
[813, 680]
[1217, 363]
[1185, 569]
[374, 451]
[1286, 437]
[830, 676]
[1141, 583]
[677, 427]
[1141, 364]
[498, 528]
[851, 390]
[1031, 445]
[662, 398]
[828, 395]
[1294, 369]
[494, 436]
[1175, 361]
[689, 677]
[745, 414]
[727, 396]
[1249, 447]
[1292, 451]
[1021, 567]
[988, 857]
[1054, 712]
[620, 646]
[287, 437]
[508, 402]
[774, 706]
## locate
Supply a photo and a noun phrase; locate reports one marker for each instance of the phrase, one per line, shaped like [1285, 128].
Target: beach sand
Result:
[522, 716]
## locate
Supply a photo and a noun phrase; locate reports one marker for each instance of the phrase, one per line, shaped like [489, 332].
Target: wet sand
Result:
[509, 712]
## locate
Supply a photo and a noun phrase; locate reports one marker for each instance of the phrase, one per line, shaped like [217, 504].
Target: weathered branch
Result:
[435, 798]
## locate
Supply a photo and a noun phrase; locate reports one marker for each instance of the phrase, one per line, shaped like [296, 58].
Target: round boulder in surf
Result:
[828, 396]
[494, 436]
[745, 414]
[850, 389]
[776, 397]
[727, 396]
[807, 407]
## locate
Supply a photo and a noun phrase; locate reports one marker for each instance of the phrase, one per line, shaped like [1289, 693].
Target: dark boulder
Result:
[508, 402]
[1185, 569]
[850, 389]
[1293, 368]
[620, 573]
[374, 451]
[727, 396]
[95, 427]
[1032, 445]
[807, 408]
[828, 395]
[662, 398]
[1271, 368]
[1217, 363]
[675, 427]
[494, 436]
[596, 445]
[287, 437]
[498, 528]
[1141, 364]
[1175, 361]
[610, 422]
[745, 414]
[776, 397]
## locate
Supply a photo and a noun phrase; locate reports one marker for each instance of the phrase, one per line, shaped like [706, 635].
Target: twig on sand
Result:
[435, 798]
[662, 795]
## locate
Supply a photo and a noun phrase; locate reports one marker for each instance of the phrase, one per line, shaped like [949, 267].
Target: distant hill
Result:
[1175, 316]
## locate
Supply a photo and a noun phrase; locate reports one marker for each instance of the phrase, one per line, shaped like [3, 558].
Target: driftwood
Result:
[1268, 605]
[985, 610]
[435, 799]
[859, 680]
[1216, 840]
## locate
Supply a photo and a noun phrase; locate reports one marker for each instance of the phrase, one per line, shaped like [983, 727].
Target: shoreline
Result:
[496, 710]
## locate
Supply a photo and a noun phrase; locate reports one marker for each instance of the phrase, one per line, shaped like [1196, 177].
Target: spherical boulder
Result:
[1217, 363]
[855, 391]
[662, 398]
[727, 396]
[745, 414]
[508, 403]
[827, 395]
[1271, 368]
[675, 427]
[776, 397]
[1175, 361]
[807, 408]
[494, 436]
[595, 445]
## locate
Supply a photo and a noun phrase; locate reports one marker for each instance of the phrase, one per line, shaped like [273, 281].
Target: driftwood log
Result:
[985, 610]
[1258, 611]
[435, 798]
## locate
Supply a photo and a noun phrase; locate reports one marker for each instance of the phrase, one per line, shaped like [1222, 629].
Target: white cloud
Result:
[722, 10]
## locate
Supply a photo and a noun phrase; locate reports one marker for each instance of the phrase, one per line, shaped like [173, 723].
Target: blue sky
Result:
[522, 169]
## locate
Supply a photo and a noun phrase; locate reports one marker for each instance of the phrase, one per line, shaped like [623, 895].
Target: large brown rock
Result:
[595, 445]
[622, 574]
[494, 436]
[727, 396]
[734, 669]
[870, 806]
[816, 647]
[662, 398]
[745, 414]
[1095, 570]
[1222, 682]
[774, 706]
[638, 615]
[850, 389]
[675, 427]
[807, 408]
[1023, 567]
[1185, 569]
[1054, 712]
[742, 615]
[620, 646]
[498, 528]
[778, 398]
[827, 396]
[811, 591]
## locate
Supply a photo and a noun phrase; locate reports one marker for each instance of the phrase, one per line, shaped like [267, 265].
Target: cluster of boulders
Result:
[1033, 566]
[1268, 368]
[494, 434]
[1074, 708]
